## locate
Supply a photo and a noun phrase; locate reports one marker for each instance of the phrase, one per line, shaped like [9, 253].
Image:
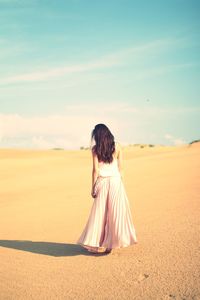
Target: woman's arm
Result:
[95, 171]
[120, 160]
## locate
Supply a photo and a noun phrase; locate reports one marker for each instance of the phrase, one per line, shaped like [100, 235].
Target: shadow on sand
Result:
[47, 248]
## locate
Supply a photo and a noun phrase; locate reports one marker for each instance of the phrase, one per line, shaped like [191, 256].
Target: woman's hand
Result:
[93, 194]
[94, 191]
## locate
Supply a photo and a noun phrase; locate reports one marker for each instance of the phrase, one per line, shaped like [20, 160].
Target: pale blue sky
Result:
[66, 65]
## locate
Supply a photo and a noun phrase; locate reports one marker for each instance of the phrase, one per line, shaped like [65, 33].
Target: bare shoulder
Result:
[117, 145]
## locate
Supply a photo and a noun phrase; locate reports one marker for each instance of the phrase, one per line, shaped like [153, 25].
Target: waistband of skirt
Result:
[109, 176]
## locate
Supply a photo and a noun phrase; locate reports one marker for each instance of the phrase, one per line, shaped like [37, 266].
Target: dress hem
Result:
[99, 249]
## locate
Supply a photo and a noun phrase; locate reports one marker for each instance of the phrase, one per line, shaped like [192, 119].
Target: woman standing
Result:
[110, 223]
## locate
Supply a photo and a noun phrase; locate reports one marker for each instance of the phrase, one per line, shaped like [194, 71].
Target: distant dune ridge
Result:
[45, 202]
[195, 143]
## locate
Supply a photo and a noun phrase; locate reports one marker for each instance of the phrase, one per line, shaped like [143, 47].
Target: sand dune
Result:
[44, 204]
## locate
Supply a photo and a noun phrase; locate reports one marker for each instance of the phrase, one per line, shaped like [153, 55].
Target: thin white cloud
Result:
[179, 142]
[57, 72]
[174, 140]
[158, 71]
[154, 47]
[168, 136]
[131, 54]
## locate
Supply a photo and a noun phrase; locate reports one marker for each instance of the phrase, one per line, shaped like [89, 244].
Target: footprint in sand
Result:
[142, 277]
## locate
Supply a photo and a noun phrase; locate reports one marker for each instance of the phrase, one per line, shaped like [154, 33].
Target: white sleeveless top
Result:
[107, 170]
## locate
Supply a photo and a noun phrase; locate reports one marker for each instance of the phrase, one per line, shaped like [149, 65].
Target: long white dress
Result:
[110, 222]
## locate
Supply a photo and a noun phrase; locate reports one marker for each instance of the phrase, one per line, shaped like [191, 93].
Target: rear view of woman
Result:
[110, 223]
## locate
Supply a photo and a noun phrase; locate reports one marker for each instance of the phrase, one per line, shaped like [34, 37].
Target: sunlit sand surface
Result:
[44, 205]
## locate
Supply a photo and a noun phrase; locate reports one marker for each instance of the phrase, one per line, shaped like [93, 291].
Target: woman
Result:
[110, 223]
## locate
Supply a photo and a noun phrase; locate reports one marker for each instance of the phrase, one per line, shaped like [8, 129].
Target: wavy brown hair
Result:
[104, 143]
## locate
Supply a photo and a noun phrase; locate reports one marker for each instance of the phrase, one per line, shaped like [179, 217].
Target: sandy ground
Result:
[45, 202]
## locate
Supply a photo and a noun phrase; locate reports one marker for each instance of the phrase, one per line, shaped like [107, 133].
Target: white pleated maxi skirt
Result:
[110, 222]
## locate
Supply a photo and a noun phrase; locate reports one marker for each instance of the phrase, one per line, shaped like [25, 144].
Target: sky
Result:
[67, 65]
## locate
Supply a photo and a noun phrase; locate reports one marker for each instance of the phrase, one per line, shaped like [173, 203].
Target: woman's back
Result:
[109, 169]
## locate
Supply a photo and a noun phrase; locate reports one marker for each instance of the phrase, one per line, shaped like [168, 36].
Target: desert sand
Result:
[44, 205]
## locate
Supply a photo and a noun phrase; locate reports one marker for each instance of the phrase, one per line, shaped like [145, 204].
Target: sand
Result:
[44, 205]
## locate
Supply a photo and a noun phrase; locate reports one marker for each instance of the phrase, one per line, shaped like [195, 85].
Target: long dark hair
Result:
[104, 143]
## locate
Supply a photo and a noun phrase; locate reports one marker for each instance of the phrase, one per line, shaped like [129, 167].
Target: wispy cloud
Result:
[152, 47]
[57, 72]
[131, 54]
[176, 141]
[158, 71]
